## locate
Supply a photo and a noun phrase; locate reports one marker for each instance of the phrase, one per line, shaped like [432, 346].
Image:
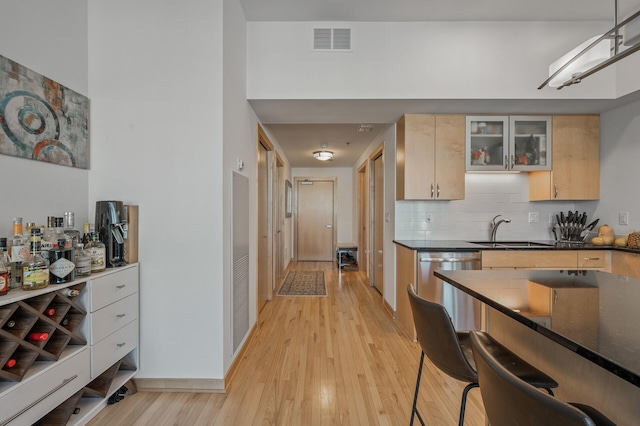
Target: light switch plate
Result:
[623, 218]
[534, 217]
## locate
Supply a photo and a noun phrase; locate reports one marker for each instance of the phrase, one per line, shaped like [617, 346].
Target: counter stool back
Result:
[508, 400]
[450, 351]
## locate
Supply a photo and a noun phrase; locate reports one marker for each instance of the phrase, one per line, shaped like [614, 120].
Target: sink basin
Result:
[527, 244]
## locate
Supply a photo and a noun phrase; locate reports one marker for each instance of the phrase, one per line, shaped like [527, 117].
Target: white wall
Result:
[619, 170]
[33, 189]
[156, 77]
[418, 60]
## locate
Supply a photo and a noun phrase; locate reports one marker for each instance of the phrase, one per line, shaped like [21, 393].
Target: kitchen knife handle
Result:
[555, 193]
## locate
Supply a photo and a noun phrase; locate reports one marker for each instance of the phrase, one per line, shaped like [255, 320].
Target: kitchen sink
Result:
[527, 244]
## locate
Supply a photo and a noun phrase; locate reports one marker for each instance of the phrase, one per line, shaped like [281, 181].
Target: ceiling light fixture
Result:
[594, 54]
[323, 155]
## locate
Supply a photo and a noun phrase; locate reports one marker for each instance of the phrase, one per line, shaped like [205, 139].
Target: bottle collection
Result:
[56, 254]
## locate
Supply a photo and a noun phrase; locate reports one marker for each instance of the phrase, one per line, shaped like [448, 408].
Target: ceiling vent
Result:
[332, 39]
[366, 128]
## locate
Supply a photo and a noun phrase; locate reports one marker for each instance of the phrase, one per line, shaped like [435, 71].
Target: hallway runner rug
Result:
[303, 283]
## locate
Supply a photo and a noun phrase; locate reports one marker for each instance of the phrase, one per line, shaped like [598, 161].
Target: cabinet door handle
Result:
[39, 400]
[431, 190]
[121, 315]
[506, 162]
[590, 258]
[513, 161]
[121, 344]
[438, 188]
[120, 286]
[555, 192]
[555, 297]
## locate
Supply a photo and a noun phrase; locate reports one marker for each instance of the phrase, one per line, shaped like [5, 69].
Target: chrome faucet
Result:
[494, 226]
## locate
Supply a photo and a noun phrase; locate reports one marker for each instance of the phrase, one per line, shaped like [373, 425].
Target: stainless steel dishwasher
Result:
[464, 310]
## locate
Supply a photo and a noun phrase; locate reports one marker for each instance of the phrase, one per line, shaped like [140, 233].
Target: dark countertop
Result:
[461, 245]
[594, 314]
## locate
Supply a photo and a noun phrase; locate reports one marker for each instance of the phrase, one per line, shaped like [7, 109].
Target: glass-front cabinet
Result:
[503, 143]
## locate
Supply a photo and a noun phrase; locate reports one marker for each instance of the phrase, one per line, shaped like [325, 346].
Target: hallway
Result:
[315, 361]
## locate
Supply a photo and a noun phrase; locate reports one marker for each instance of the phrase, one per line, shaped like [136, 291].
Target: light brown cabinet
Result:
[406, 273]
[625, 263]
[430, 157]
[575, 173]
[546, 259]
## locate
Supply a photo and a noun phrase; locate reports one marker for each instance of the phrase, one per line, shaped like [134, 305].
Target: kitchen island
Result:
[580, 327]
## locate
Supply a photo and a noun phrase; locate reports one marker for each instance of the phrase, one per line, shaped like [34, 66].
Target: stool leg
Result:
[463, 405]
[414, 409]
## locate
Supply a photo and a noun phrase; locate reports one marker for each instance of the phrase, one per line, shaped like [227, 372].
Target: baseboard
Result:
[236, 362]
[388, 308]
[180, 385]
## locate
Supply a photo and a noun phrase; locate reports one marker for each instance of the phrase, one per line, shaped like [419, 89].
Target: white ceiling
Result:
[301, 126]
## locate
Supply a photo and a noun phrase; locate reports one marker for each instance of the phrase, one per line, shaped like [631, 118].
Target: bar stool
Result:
[509, 400]
[451, 352]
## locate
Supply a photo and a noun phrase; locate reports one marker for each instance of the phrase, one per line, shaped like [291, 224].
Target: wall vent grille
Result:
[332, 38]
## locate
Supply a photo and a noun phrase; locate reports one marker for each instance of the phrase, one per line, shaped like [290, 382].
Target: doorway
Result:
[265, 191]
[279, 216]
[363, 219]
[315, 231]
[377, 219]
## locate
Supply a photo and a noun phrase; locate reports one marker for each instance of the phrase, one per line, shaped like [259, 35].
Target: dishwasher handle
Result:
[448, 259]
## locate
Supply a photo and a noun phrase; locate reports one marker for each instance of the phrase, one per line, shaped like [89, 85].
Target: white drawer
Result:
[113, 287]
[113, 348]
[45, 391]
[113, 317]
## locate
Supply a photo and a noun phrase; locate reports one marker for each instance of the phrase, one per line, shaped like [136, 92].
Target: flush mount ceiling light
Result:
[595, 54]
[323, 155]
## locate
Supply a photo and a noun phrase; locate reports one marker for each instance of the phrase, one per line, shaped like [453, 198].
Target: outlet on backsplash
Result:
[534, 217]
[429, 218]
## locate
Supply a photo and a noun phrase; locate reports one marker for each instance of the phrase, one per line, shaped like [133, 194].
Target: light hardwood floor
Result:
[335, 360]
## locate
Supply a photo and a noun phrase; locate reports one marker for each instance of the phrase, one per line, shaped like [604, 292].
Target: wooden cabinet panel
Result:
[430, 157]
[576, 161]
[406, 273]
[529, 259]
[625, 263]
[594, 259]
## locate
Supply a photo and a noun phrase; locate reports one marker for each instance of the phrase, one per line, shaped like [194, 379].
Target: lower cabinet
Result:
[625, 263]
[546, 259]
[89, 348]
[406, 273]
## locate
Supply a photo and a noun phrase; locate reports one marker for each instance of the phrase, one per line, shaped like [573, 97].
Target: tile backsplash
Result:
[487, 195]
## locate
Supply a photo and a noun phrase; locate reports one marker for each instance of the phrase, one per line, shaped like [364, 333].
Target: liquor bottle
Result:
[83, 262]
[98, 253]
[70, 229]
[86, 233]
[62, 263]
[4, 274]
[19, 253]
[50, 230]
[60, 235]
[35, 270]
[4, 257]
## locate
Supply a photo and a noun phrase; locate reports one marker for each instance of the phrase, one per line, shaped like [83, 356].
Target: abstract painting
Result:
[41, 119]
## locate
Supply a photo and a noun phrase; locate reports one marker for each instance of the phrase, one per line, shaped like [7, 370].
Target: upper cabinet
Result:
[430, 156]
[576, 161]
[501, 143]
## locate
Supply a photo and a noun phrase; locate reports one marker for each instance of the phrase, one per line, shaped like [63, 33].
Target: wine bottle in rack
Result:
[38, 337]
[64, 322]
[11, 362]
[50, 312]
[72, 292]
[10, 324]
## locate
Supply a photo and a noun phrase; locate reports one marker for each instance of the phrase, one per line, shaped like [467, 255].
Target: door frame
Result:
[377, 152]
[363, 214]
[297, 179]
[263, 141]
[278, 225]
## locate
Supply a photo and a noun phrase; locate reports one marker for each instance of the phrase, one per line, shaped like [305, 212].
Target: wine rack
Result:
[43, 317]
[65, 349]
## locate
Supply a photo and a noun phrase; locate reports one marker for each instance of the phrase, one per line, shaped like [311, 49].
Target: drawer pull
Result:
[39, 400]
[121, 315]
[121, 344]
[591, 258]
[120, 286]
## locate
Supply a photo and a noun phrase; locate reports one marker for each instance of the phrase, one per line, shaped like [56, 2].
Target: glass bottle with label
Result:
[60, 235]
[62, 264]
[4, 272]
[4, 257]
[83, 261]
[86, 233]
[19, 253]
[70, 229]
[98, 253]
[49, 232]
[35, 270]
